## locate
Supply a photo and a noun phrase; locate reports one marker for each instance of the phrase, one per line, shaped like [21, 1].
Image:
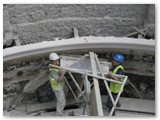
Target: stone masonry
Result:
[45, 22]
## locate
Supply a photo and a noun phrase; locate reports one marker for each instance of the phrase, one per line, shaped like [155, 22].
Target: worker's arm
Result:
[110, 75]
[119, 72]
[61, 77]
[57, 77]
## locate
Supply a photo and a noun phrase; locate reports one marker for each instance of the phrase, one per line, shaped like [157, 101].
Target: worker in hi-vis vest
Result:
[116, 68]
[56, 77]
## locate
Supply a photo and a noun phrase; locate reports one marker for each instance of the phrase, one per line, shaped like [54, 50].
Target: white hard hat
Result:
[53, 56]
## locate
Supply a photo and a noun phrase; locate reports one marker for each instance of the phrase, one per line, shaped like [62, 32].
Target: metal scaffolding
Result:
[89, 65]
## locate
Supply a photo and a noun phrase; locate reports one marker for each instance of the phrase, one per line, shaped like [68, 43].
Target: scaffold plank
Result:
[95, 101]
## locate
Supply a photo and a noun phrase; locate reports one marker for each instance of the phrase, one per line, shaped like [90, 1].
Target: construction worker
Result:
[56, 77]
[116, 68]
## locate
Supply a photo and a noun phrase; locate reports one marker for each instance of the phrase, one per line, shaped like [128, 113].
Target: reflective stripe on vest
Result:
[54, 84]
[115, 87]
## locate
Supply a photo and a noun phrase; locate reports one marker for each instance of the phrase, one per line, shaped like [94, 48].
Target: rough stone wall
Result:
[44, 22]
[7, 32]
[150, 20]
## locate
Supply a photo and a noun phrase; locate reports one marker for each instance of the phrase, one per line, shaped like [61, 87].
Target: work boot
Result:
[118, 104]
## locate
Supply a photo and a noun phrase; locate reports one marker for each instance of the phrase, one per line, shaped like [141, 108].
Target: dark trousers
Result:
[109, 104]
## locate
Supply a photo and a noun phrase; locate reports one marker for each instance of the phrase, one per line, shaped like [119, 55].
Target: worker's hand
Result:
[110, 75]
[61, 78]
[63, 71]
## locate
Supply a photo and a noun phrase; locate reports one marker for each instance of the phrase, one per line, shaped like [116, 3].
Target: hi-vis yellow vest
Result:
[54, 84]
[115, 87]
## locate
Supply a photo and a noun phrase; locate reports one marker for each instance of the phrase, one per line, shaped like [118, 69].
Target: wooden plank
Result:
[16, 39]
[105, 82]
[87, 88]
[133, 104]
[50, 105]
[77, 112]
[140, 36]
[137, 105]
[91, 75]
[135, 33]
[139, 31]
[14, 113]
[95, 101]
[132, 114]
[75, 30]
[17, 42]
